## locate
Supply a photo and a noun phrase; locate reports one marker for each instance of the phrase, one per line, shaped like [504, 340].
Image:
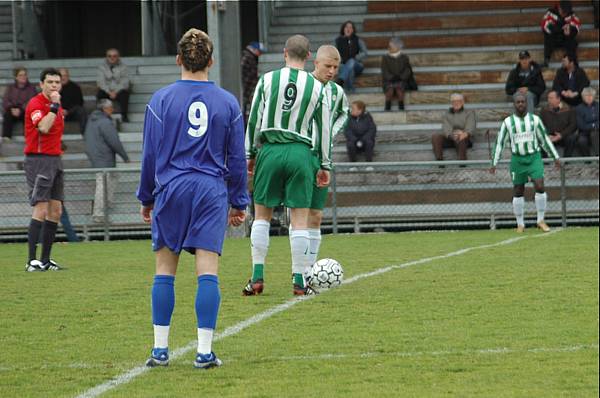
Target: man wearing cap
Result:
[250, 73]
[526, 78]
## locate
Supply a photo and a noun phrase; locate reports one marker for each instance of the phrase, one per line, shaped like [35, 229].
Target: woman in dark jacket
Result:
[360, 132]
[396, 74]
[352, 50]
[15, 100]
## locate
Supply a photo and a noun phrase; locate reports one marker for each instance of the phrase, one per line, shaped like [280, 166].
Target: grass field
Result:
[517, 319]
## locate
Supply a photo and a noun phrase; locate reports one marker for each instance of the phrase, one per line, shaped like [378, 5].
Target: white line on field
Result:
[340, 355]
[408, 354]
[238, 327]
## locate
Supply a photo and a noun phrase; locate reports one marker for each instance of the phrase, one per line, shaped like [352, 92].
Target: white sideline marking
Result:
[238, 327]
[409, 354]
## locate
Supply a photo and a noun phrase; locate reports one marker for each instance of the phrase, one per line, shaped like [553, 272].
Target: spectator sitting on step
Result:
[360, 132]
[71, 99]
[113, 81]
[569, 80]
[250, 73]
[458, 126]
[560, 27]
[396, 74]
[560, 122]
[15, 100]
[526, 78]
[587, 123]
[352, 50]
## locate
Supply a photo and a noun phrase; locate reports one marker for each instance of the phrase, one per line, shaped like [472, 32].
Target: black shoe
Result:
[34, 266]
[401, 105]
[125, 119]
[388, 106]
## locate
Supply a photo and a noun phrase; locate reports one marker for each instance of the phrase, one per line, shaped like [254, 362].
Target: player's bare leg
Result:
[540, 204]
[208, 299]
[519, 206]
[259, 241]
[163, 303]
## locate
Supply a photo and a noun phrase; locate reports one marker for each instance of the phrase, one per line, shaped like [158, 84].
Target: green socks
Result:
[298, 280]
[257, 272]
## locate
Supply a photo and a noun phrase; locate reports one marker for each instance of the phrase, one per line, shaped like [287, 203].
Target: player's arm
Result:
[236, 164]
[151, 134]
[255, 119]
[45, 124]
[499, 146]
[340, 117]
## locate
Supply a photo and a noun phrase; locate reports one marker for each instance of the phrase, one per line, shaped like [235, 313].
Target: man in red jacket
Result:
[44, 126]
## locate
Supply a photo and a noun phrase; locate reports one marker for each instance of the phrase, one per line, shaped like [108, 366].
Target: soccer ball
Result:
[326, 273]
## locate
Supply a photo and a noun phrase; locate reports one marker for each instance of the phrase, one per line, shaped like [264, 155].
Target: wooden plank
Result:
[382, 7]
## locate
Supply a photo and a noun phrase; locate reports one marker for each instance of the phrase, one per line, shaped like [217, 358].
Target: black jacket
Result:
[361, 128]
[533, 80]
[561, 82]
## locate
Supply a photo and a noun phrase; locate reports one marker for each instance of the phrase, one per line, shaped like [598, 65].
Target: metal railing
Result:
[101, 203]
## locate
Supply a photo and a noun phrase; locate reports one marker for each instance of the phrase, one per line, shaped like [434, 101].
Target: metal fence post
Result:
[334, 202]
[105, 204]
[563, 194]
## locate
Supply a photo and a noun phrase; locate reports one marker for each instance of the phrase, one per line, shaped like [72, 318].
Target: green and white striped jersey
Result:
[338, 113]
[286, 101]
[526, 135]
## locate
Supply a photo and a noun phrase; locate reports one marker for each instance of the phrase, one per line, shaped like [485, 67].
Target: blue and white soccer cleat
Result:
[158, 357]
[34, 266]
[207, 361]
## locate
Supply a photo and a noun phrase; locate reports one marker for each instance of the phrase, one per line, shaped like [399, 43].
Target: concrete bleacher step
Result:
[465, 38]
[302, 8]
[476, 74]
[498, 19]
[404, 7]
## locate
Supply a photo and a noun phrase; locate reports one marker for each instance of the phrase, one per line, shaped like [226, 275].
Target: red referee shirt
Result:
[36, 142]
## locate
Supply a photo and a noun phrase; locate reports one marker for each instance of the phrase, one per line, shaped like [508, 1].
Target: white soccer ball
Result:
[326, 273]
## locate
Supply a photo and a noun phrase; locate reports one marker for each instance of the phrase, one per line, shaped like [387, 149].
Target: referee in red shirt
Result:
[44, 127]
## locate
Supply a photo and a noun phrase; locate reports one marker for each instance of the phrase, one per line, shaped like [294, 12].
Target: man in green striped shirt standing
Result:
[527, 135]
[280, 142]
[327, 63]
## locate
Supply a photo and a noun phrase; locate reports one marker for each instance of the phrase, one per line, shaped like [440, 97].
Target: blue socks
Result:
[163, 299]
[208, 299]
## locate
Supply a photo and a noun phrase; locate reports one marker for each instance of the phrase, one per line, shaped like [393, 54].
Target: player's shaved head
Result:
[327, 51]
[297, 47]
[195, 50]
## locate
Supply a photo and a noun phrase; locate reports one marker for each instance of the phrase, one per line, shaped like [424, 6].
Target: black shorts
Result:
[45, 178]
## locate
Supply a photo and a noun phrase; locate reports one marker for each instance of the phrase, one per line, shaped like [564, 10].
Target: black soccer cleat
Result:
[304, 291]
[253, 288]
[51, 265]
[34, 266]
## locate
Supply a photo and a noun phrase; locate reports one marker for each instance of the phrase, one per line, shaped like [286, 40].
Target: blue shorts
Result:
[190, 213]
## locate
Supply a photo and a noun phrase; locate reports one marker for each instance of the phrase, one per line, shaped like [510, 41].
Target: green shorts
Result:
[526, 168]
[319, 198]
[285, 174]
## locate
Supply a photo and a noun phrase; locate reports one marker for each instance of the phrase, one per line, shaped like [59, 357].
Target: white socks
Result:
[205, 338]
[519, 209]
[299, 242]
[259, 239]
[161, 336]
[315, 243]
[540, 205]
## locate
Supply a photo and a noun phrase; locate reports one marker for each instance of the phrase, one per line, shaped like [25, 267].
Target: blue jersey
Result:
[193, 127]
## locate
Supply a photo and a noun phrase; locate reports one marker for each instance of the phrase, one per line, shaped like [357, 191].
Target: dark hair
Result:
[48, 72]
[566, 6]
[195, 50]
[553, 91]
[18, 69]
[571, 58]
[344, 25]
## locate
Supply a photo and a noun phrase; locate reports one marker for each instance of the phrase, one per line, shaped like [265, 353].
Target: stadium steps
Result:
[6, 35]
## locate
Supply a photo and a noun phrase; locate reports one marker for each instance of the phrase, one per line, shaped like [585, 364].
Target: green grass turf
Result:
[514, 320]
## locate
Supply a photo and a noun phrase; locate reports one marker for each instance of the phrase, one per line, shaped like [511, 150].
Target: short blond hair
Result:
[328, 51]
[297, 47]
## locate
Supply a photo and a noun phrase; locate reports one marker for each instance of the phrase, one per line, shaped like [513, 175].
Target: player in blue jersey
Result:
[193, 175]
